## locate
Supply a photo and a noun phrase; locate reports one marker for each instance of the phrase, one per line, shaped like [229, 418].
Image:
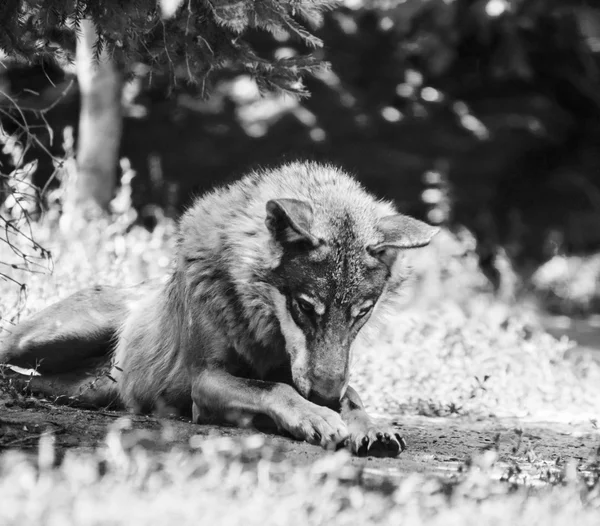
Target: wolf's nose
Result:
[332, 402]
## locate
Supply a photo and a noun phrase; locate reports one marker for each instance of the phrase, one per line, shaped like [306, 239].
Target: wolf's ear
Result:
[289, 221]
[400, 231]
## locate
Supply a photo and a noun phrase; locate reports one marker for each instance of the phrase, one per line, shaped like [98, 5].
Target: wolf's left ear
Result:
[290, 220]
[400, 231]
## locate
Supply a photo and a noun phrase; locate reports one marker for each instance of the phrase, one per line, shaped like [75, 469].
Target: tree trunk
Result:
[100, 125]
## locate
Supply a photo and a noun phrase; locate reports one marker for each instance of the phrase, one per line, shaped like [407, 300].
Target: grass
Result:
[246, 482]
[478, 359]
[465, 357]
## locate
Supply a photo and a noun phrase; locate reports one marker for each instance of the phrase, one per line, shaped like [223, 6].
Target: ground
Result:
[60, 466]
[437, 445]
[501, 421]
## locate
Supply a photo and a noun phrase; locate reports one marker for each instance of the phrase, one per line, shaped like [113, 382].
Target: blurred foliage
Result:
[182, 40]
[186, 38]
[140, 477]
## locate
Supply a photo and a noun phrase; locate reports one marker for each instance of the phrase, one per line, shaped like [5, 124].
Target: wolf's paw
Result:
[318, 425]
[375, 440]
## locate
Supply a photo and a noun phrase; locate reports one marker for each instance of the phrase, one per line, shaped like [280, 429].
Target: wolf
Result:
[274, 278]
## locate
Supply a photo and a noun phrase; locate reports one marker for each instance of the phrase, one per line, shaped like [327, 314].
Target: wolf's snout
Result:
[327, 392]
[333, 402]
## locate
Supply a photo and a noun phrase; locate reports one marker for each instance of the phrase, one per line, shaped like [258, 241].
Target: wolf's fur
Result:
[274, 278]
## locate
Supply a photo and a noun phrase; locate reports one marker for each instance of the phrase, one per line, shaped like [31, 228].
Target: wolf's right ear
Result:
[289, 221]
[400, 232]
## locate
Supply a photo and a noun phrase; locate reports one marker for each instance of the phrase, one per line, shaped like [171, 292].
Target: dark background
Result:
[498, 115]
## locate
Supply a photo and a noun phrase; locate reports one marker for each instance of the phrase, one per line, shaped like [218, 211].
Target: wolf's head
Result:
[337, 260]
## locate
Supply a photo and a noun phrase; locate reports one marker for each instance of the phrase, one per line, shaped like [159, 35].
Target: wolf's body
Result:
[275, 276]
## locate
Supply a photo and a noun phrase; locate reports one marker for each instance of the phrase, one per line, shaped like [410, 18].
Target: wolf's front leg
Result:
[228, 397]
[367, 437]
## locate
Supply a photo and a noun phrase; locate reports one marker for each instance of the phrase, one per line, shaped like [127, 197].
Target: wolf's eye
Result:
[305, 306]
[363, 312]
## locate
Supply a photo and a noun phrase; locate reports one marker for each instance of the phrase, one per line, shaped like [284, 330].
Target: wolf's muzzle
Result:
[327, 391]
[331, 402]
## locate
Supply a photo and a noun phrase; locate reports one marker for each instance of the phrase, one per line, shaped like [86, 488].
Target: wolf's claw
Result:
[401, 441]
[376, 441]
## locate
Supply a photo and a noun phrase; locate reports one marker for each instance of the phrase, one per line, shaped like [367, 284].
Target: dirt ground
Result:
[435, 445]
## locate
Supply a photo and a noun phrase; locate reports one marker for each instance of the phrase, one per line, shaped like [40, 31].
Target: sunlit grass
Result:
[481, 359]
